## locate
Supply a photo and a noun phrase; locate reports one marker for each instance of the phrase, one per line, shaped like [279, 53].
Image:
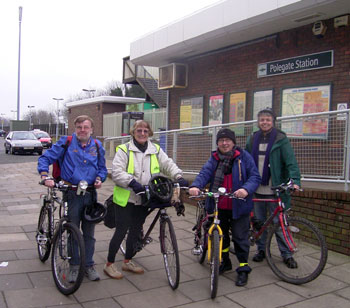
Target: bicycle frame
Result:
[215, 225]
[279, 210]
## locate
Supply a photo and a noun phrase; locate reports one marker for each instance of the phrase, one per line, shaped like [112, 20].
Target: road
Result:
[15, 159]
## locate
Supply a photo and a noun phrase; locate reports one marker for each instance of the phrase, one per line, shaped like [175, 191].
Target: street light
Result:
[19, 63]
[58, 115]
[14, 111]
[2, 121]
[90, 91]
[30, 116]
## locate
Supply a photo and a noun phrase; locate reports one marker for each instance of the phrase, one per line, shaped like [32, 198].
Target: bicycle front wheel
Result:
[201, 239]
[68, 258]
[214, 263]
[310, 252]
[44, 233]
[170, 251]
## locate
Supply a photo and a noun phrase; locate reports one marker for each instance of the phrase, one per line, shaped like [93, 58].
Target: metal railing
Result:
[320, 142]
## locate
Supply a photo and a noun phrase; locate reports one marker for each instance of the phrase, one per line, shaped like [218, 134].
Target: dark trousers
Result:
[129, 218]
[240, 231]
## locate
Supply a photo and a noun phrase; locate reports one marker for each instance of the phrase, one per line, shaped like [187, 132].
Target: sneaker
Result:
[131, 267]
[112, 271]
[73, 273]
[92, 274]
[259, 256]
[225, 265]
[290, 262]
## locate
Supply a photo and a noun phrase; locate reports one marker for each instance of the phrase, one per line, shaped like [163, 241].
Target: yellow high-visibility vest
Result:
[120, 194]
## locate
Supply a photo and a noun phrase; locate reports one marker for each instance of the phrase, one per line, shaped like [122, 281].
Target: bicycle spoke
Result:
[310, 253]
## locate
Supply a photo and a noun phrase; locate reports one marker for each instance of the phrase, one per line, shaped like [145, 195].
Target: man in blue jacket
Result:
[232, 168]
[82, 159]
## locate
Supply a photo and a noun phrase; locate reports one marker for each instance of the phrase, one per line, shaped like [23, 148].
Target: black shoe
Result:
[259, 256]
[242, 279]
[290, 262]
[225, 265]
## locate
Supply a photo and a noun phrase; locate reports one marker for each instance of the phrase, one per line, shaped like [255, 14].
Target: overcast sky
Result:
[68, 45]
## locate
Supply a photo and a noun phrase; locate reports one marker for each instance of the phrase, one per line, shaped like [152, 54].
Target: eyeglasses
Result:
[144, 131]
[222, 140]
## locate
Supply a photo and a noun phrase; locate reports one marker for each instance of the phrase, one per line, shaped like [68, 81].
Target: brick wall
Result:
[96, 112]
[330, 211]
[235, 70]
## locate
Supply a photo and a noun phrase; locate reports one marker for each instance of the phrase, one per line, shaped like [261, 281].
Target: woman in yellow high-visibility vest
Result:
[133, 166]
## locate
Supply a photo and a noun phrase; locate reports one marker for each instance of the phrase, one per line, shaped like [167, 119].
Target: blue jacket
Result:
[79, 163]
[244, 175]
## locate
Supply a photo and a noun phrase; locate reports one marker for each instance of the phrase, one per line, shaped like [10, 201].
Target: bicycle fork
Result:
[215, 225]
[286, 233]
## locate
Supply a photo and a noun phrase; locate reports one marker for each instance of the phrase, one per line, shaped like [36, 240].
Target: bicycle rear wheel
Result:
[170, 251]
[214, 263]
[68, 242]
[311, 252]
[44, 233]
[201, 235]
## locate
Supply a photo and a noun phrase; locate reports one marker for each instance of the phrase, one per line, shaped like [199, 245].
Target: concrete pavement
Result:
[26, 282]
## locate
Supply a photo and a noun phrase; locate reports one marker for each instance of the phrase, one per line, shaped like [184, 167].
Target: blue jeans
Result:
[76, 205]
[262, 210]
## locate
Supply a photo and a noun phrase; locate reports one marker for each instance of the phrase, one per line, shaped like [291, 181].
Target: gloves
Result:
[136, 186]
[182, 182]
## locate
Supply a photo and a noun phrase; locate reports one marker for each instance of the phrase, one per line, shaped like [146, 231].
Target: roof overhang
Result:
[106, 99]
[228, 23]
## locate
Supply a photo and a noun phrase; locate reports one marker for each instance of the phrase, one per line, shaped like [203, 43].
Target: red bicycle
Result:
[301, 237]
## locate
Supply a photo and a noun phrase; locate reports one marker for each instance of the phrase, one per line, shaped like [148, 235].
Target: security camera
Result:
[319, 29]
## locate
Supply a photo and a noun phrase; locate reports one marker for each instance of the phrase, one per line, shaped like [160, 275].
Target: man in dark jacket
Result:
[234, 169]
[275, 159]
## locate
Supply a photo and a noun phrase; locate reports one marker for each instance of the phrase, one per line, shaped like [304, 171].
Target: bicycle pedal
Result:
[196, 251]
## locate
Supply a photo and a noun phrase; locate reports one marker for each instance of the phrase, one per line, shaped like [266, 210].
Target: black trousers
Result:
[240, 232]
[129, 218]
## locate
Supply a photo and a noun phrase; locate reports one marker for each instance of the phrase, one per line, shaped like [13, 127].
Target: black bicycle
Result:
[62, 237]
[167, 236]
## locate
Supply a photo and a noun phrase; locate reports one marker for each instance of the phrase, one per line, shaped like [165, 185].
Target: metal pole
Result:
[58, 115]
[19, 64]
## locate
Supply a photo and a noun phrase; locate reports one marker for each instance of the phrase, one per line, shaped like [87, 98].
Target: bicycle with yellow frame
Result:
[209, 236]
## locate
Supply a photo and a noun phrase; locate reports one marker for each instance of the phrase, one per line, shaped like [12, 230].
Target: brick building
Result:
[96, 107]
[251, 54]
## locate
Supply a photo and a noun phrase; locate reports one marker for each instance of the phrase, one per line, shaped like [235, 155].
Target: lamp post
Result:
[19, 63]
[2, 121]
[14, 112]
[58, 115]
[30, 116]
[90, 91]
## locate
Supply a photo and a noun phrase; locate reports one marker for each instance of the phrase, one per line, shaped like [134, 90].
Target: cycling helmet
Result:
[95, 213]
[160, 188]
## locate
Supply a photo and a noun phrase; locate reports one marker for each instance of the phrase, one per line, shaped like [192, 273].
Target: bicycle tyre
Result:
[170, 251]
[44, 233]
[311, 254]
[201, 235]
[61, 255]
[214, 263]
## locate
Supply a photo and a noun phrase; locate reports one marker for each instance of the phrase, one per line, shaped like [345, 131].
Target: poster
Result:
[302, 101]
[237, 111]
[262, 100]
[191, 112]
[216, 104]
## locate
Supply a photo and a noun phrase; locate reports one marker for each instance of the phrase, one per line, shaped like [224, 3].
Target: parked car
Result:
[2, 133]
[44, 138]
[22, 142]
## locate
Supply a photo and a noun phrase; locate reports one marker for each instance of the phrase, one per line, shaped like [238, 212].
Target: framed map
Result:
[302, 101]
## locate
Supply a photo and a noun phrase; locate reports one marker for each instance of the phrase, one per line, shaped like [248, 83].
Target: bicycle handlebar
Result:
[221, 192]
[289, 186]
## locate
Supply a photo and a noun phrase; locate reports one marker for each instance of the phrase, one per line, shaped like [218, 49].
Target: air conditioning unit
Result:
[173, 75]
